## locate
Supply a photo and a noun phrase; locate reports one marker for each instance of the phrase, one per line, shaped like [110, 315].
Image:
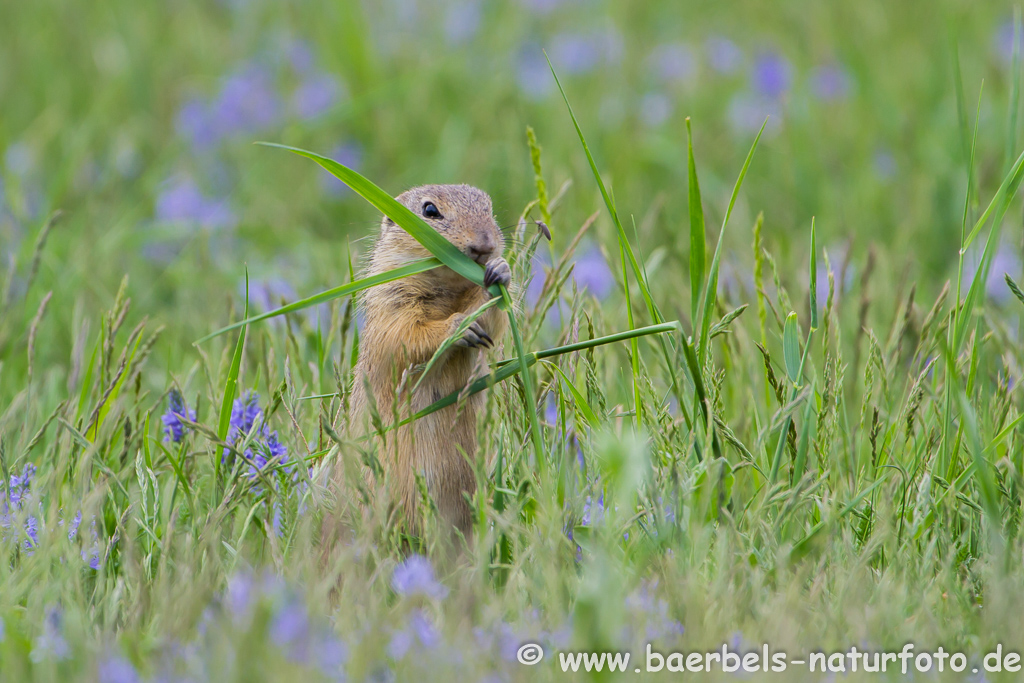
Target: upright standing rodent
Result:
[405, 323]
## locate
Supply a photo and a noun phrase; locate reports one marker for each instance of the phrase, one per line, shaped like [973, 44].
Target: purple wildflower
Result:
[1002, 41]
[1, 629]
[265, 446]
[421, 629]
[537, 276]
[247, 103]
[551, 410]
[723, 54]
[92, 555]
[1006, 261]
[289, 630]
[14, 499]
[532, 73]
[884, 164]
[593, 511]
[415, 576]
[117, 669]
[673, 62]
[267, 295]
[830, 82]
[462, 21]
[574, 53]
[329, 652]
[181, 201]
[31, 534]
[238, 596]
[747, 112]
[174, 428]
[425, 631]
[20, 159]
[244, 413]
[400, 643]
[300, 55]
[771, 75]
[18, 488]
[593, 274]
[50, 643]
[577, 53]
[316, 95]
[655, 108]
[660, 624]
[347, 154]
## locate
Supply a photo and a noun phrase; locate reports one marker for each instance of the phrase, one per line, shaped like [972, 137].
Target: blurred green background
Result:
[137, 121]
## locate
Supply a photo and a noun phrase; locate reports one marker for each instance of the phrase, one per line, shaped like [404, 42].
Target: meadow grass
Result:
[814, 443]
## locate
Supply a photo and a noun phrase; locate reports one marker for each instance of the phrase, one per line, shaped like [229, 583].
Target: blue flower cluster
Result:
[264, 448]
[415, 576]
[13, 500]
[174, 428]
[14, 506]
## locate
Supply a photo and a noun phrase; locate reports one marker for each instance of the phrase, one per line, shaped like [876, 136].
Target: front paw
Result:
[497, 272]
[473, 337]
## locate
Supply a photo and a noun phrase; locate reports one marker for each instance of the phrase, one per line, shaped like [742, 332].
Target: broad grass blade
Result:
[446, 252]
[333, 293]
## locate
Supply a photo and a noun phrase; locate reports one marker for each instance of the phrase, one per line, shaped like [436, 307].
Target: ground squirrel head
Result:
[461, 213]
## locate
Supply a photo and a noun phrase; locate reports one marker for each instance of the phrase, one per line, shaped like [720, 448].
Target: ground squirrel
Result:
[405, 323]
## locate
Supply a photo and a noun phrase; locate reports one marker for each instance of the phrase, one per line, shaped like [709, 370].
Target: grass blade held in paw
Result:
[334, 293]
[508, 368]
[450, 341]
[446, 252]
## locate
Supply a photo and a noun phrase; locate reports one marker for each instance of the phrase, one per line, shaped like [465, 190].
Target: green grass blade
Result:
[610, 203]
[450, 341]
[803, 443]
[581, 402]
[698, 241]
[814, 279]
[634, 365]
[530, 396]
[333, 293]
[101, 415]
[983, 474]
[711, 291]
[1002, 197]
[231, 384]
[446, 252]
[510, 367]
[791, 348]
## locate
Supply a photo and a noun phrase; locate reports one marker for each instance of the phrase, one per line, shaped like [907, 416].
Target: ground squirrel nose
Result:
[481, 250]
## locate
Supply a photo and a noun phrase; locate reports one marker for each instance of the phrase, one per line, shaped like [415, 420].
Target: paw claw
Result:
[497, 272]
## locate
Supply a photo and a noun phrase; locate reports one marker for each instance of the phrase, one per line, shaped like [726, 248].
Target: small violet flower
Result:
[415, 576]
[174, 428]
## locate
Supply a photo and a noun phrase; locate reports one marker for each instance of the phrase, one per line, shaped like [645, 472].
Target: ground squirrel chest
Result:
[406, 321]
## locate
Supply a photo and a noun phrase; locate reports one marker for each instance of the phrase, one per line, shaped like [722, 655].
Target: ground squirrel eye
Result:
[430, 211]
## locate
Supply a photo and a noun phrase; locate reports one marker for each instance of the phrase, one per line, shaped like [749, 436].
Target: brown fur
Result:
[405, 323]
